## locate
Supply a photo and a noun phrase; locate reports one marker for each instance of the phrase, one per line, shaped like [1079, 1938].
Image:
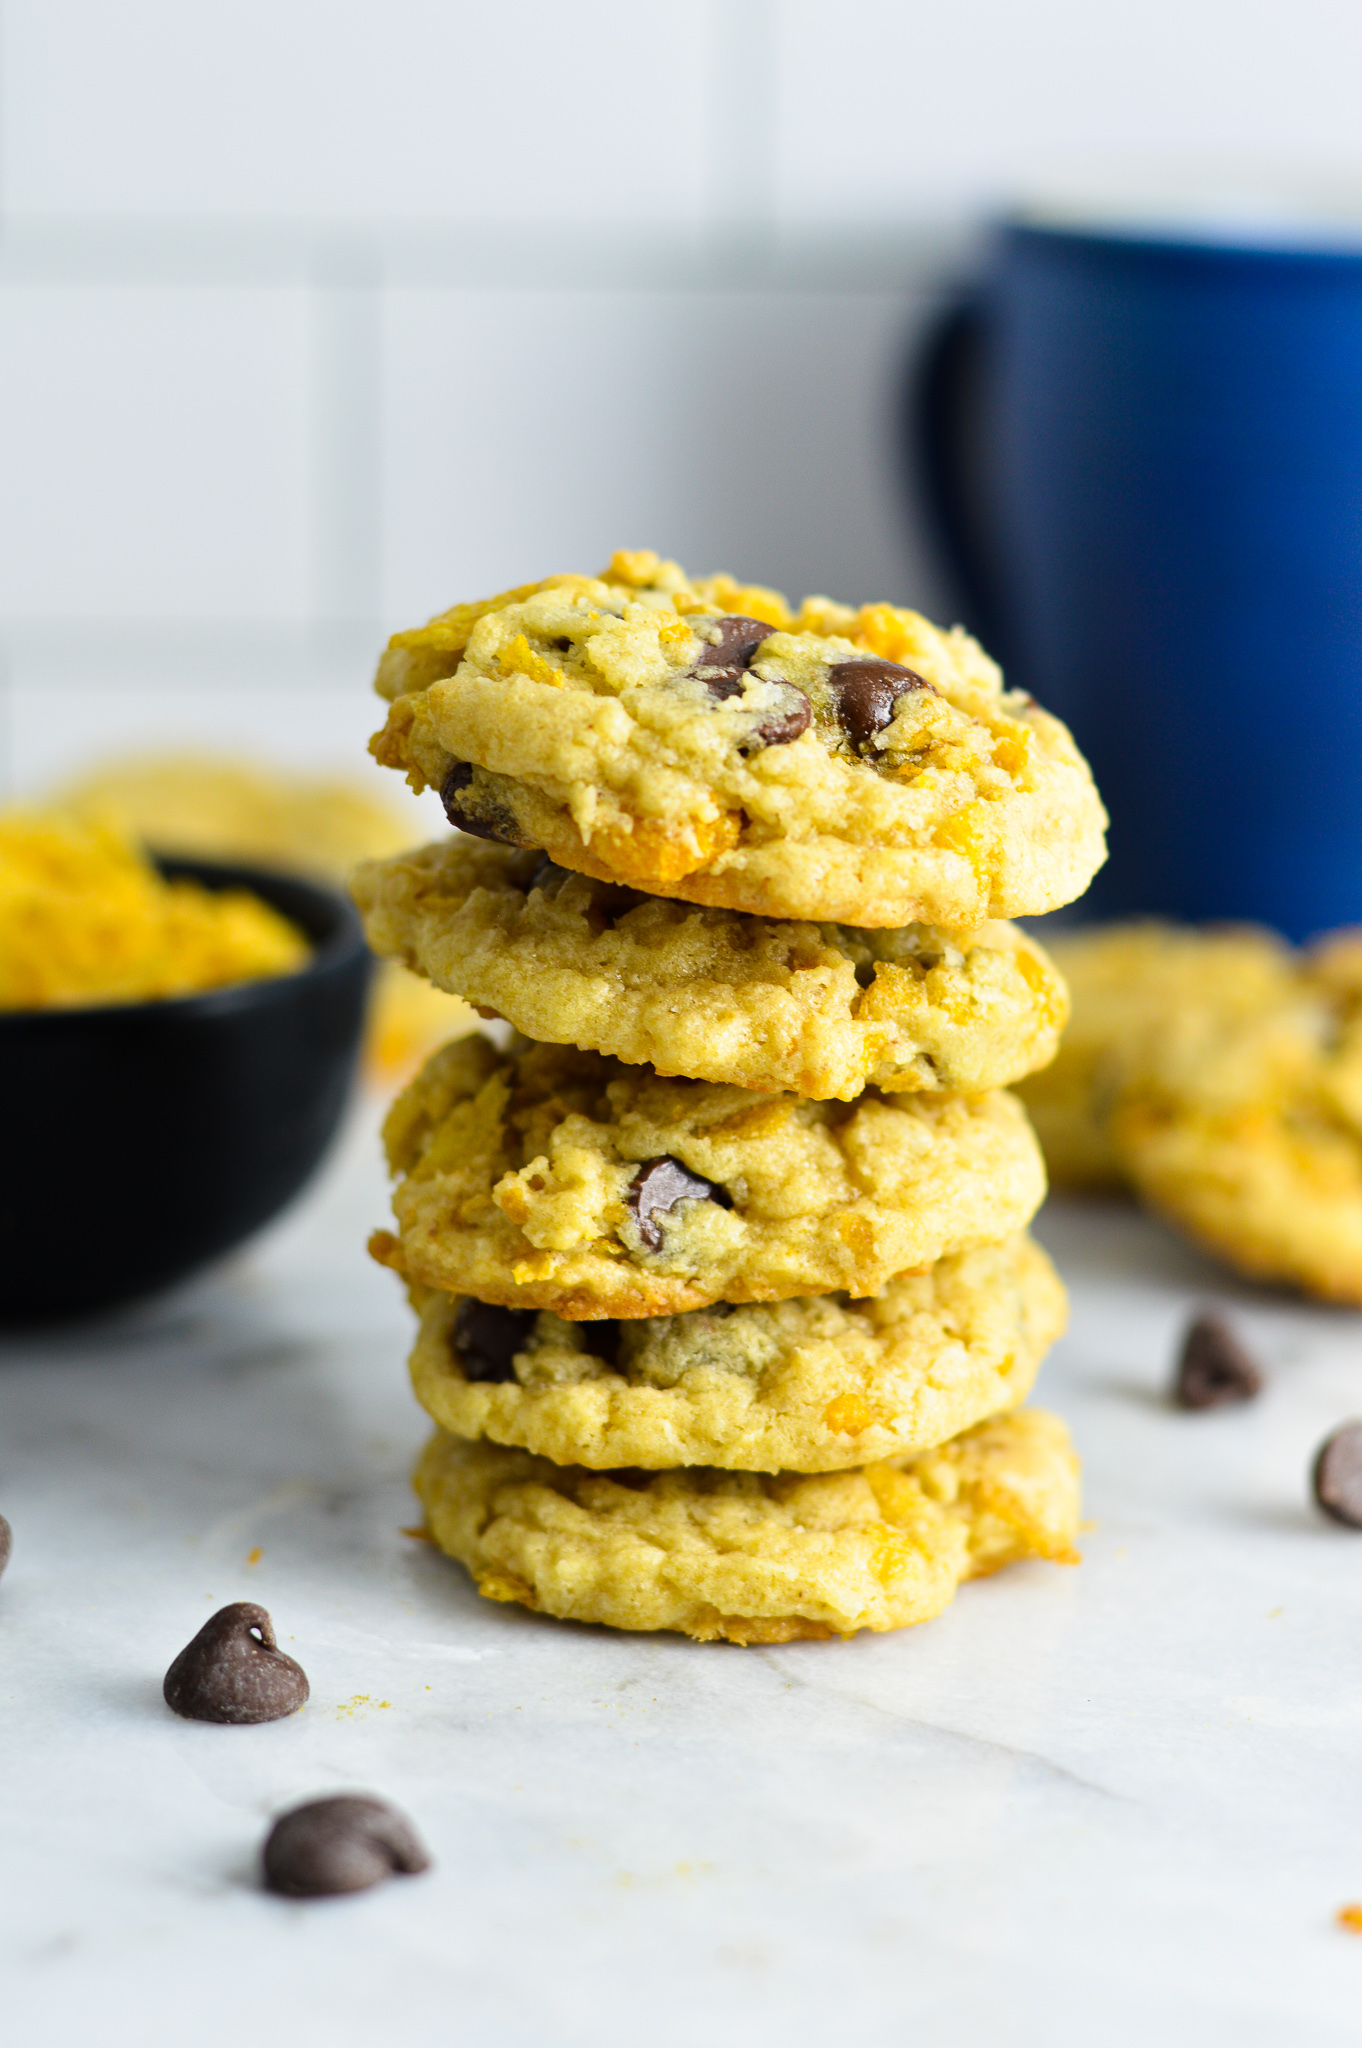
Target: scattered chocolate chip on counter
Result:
[342, 1844]
[1214, 1368]
[235, 1671]
[6, 1544]
[1337, 1477]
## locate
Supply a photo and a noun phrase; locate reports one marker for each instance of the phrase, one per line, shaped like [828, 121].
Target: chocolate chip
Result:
[1337, 1477]
[234, 1671]
[658, 1185]
[343, 1844]
[727, 648]
[865, 692]
[784, 722]
[1213, 1366]
[487, 1338]
[483, 820]
[6, 1544]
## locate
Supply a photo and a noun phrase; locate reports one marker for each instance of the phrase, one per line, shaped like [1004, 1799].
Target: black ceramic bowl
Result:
[141, 1140]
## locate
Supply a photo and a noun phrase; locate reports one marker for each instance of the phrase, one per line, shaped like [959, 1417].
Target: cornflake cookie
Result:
[797, 1386]
[549, 1178]
[1142, 992]
[1243, 1124]
[702, 740]
[714, 994]
[755, 1558]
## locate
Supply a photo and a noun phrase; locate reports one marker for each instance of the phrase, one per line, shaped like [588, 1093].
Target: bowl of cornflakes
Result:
[179, 1040]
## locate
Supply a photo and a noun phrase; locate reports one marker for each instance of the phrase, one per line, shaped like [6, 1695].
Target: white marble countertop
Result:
[1111, 1805]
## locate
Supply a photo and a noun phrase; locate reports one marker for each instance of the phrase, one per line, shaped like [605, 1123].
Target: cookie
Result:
[809, 1385]
[836, 765]
[1244, 1126]
[1219, 1075]
[1132, 987]
[751, 1557]
[548, 1178]
[714, 994]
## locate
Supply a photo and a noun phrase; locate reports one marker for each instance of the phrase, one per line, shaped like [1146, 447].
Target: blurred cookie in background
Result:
[221, 807]
[1218, 1074]
[1136, 991]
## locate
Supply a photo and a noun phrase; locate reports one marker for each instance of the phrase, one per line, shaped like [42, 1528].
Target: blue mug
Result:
[1143, 456]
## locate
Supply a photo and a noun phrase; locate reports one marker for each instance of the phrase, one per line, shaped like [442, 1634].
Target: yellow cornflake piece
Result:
[749, 600]
[893, 633]
[634, 566]
[519, 658]
[674, 636]
[1012, 753]
[849, 1414]
[85, 919]
[449, 631]
[646, 851]
[970, 831]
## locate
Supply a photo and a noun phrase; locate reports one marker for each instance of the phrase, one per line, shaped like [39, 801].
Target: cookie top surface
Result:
[710, 993]
[752, 1557]
[700, 740]
[549, 1178]
[811, 1385]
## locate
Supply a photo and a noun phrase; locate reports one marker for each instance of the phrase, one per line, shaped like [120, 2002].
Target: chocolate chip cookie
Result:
[838, 765]
[714, 994]
[1219, 1075]
[548, 1178]
[811, 1385]
[750, 1557]
[1135, 988]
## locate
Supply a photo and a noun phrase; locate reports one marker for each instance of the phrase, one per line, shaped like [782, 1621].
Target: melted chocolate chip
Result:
[728, 646]
[343, 1844]
[1337, 1476]
[487, 1338]
[1213, 1366]
[784, 722]
[658, 1185]
[234, 1671]
[6, 1544]
[865, 692]
[484, 822]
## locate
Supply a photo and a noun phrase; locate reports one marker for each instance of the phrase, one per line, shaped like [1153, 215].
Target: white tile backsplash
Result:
[747, 430]
[74, 702]
[316, 314]
[154, 452]
[894, 108]
[336, 109]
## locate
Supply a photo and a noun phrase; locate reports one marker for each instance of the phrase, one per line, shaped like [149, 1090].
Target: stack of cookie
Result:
[725, 1294]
